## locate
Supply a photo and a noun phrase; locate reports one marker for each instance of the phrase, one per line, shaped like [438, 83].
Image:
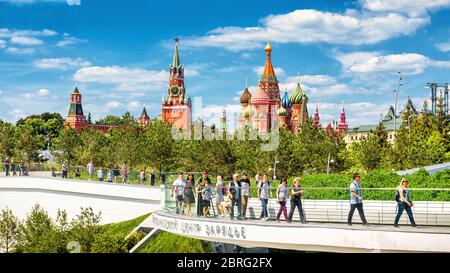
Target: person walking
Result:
[152, 178]
[296, 202]
[201, 184]
[207, 199]
[282, 195]
[162, 178]
[77, 173]
[100, 175]
[12, 168]
[235, 195]
[90, 169]
[21, 168]
[116, 172]
[257, 178]
[110, 176]
[6, 166]
[220, 197]
[404, 203]
[189, 195]
[65, 170]
[356, 200]
[124, 173]
[245, 191]
[142, 176]
[263, 196]
[178, 189]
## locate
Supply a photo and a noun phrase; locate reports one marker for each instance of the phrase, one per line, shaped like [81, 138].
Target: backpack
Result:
[397, 196]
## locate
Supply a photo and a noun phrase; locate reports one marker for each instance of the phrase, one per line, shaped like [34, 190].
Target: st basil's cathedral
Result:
[261, 110]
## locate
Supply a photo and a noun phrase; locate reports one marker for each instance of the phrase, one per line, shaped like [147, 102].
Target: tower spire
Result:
[176, 55]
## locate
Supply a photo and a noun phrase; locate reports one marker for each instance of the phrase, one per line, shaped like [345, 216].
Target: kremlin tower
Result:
[316, 119]
[76, 118]
[342, 125]
[176, 107]
[144, 119]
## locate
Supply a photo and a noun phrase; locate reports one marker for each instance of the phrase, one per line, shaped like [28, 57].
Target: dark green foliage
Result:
[40, 234]
[165, 242]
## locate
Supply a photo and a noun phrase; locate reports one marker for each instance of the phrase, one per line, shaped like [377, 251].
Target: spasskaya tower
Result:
[177, 107]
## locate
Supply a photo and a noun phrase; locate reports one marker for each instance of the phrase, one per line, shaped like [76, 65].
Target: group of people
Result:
[11, 167]
[238, 192]
[109, 175]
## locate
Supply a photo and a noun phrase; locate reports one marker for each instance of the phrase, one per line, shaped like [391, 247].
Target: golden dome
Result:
[268, 46]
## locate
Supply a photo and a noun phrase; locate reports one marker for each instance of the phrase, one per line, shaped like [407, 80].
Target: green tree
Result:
[64, 147]
[27, 143]
[85, 227]
[37, 233]
[9, 229]
[6, 139]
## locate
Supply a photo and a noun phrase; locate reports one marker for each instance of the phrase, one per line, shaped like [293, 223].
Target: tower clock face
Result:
[175, 91]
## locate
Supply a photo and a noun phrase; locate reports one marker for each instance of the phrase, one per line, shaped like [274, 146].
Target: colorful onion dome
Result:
[246, 96]
[285, 101]
[297, 96]
[282, 112]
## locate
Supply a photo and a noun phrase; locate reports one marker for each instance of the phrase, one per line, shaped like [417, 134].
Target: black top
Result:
[296, 189]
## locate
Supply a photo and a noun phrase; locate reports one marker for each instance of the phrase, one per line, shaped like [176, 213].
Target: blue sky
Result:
[119, 53]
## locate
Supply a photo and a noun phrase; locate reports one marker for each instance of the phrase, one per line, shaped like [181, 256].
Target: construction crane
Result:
[434, 88]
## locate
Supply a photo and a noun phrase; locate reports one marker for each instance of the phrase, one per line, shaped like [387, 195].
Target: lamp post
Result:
[330, 161]
[396, 91]
[275, 168]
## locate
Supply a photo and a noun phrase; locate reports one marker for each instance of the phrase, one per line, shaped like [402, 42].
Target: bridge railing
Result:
[328, 205]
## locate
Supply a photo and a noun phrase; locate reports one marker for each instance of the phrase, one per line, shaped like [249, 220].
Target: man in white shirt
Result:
[178, 188]
[100, 175]
[90, 169]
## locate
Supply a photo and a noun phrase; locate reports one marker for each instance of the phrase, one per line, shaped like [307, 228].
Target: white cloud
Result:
[73, 2]
[2, 44]
[313, 79]
[134, 105]
[20, 51]
[370, 62]
[39, 93]
[22, 2]
[67, 41]
[124, 78]
[113, 104]
[445, 47]
[61, 63]
[352, 27]
[26, 41]
[411, 7]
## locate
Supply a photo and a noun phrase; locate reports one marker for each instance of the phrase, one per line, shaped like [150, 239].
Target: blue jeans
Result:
[401, 207]
[264, 212]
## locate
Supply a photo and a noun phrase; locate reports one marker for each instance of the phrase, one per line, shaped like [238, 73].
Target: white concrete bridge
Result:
[324, 232]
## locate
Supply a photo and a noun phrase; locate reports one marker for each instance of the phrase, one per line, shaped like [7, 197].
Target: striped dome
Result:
[246, 96]
[297, 96]
[286, 102]
[282, 112]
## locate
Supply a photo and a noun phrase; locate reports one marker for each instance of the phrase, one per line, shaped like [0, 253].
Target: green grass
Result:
[165, 242]
[124, 228]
